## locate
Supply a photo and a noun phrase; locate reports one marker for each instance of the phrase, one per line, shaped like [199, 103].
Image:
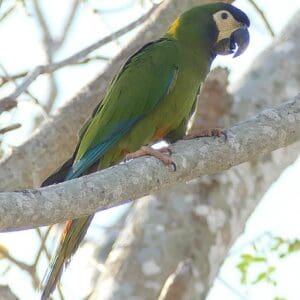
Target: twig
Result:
[10, 128]
[42, 22]
[49, 49]
[43, 247]
[7, 104]
[31, 76]
[35, 100]
[265, 20]
[28, 268]
[58, 42]
[51, 45]
[7, 78]
[89, 59]
[9, 11]
[15, 261]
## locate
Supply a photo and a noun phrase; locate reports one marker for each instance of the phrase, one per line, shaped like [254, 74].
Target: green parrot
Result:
[150, 99]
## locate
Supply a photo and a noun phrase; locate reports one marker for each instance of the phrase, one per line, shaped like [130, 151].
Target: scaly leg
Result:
[217, 132]
[157, 153]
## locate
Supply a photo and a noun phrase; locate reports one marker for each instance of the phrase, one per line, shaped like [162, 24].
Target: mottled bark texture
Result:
[272, 129]
[201, 220]
[56, 138]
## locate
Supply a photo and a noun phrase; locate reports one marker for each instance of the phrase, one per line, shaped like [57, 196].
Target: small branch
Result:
[43, 247]
[265, 20]
[66, 29]
[8, 11]
[7, 104]
[48, 45]
[35, 100]
[50, 68]
[16, 262]
[44, 26]
[10, 128]
[93, 58]
[270, 130]
[5, 79]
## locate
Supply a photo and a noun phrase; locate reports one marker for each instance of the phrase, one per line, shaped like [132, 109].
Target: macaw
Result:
[150, 99]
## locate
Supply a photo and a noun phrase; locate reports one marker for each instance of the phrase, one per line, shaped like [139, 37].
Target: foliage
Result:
[261, 264]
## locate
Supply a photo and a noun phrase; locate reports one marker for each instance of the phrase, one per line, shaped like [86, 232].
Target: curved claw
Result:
[239, 39]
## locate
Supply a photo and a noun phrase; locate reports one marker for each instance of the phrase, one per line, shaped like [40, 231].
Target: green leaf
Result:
[250, 258]
[294, 246]
[271, 269]
[260, 277]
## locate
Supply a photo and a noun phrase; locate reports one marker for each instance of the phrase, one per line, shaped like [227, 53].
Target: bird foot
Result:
[163, 154]
[216, 132]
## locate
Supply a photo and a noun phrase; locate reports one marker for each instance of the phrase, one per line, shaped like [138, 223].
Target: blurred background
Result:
[264, 261]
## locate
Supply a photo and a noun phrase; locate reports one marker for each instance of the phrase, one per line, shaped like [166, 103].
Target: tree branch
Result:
[272, 129]
[52, 67]
[9, 128]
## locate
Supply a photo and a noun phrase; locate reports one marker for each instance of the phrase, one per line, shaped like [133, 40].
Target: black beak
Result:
[237, 43]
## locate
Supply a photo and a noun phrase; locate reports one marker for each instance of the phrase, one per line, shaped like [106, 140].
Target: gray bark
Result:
[6, 293]
[201, 220]
[272, 129]
[54, 141]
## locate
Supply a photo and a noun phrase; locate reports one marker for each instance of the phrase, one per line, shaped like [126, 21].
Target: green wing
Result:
[143, 82]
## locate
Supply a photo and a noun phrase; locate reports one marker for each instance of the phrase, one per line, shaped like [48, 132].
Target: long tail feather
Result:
[71, 237]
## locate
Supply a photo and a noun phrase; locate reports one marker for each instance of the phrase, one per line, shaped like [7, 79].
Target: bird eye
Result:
[224, 15]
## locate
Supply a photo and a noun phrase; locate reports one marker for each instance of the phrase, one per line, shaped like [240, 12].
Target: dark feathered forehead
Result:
[237, 13]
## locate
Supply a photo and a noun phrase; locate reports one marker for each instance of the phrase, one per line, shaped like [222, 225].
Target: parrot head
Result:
[220, 27]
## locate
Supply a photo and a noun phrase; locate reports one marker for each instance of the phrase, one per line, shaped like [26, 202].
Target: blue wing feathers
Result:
[96, 152]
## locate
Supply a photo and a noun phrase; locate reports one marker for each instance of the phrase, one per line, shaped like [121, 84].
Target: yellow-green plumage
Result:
[138, 87]
[151, 98]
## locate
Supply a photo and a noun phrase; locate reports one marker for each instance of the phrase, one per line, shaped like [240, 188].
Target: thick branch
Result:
[270, 130]
[52, 67]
